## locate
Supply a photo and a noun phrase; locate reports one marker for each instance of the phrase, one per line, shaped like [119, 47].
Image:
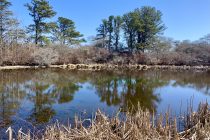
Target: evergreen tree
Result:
[148, 26]
[102, 33]
[110, 29]
[64, 32]
[105, 32]
[117, 27]
[5, 19]
[129, 27]
[40, 10]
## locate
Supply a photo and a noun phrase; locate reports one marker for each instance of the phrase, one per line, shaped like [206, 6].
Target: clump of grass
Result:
[141, 125]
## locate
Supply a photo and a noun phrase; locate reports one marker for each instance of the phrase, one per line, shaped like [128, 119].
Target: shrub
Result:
[45, 56]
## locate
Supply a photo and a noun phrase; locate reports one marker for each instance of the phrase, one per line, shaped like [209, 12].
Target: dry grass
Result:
[139, 126]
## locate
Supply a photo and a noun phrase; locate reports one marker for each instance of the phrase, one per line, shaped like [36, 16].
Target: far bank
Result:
[99, 67]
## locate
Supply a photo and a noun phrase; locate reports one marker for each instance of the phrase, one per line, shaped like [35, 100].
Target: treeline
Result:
[42, 31]
[133, 38]
[139, 29]
[137, 37]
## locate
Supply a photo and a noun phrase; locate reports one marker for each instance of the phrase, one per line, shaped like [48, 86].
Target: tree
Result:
[109, 32]
[110, 29]
[64, 32]
[161, 45]
[15, 34]
[5, 18]
[40, 10]
[102, 33]
[117, 27]
[205, 40]
[129, 27]
[148, 26]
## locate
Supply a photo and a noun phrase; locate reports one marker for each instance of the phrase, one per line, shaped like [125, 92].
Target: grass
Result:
[141, 125]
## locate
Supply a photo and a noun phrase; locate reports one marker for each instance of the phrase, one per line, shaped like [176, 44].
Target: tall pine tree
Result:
[40, 10]
[5, 19]
[64, 32]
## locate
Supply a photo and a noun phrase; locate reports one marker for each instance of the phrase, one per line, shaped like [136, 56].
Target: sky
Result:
[184, 19]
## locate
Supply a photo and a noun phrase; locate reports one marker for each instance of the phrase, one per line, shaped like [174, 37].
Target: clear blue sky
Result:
[185, 19]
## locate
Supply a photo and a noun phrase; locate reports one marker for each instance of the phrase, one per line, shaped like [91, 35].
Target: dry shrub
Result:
[142, 58]
[65, 55]
[184, 54]
[82, 55]
[45, 56]
[98, 55]
[194, 53]
[16, 55]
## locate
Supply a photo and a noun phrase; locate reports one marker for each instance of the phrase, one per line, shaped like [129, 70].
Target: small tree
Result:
[161, 45]
[15, 34]
[205, 40]
[40, 10]
[64, 32]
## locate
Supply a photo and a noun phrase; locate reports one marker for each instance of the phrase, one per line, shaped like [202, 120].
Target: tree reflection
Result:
[196, 80]
[43, 98]
[45, 88]
[10, 97]
[64, 89]
[107, 89]
[140, 91]
[44, 94]
[128, 92]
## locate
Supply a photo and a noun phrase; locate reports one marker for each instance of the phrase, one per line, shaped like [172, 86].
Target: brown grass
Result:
[142, 125]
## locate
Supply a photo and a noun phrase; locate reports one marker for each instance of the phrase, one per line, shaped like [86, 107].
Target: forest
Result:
[133, 38]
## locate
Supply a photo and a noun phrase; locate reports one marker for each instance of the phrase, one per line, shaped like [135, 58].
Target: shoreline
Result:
[99, 67]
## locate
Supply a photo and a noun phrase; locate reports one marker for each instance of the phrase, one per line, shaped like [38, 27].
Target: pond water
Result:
[31, 99]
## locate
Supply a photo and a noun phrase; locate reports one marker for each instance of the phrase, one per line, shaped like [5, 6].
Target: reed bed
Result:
[141, 125]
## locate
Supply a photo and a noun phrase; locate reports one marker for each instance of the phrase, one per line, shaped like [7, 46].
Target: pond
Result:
[32, 99]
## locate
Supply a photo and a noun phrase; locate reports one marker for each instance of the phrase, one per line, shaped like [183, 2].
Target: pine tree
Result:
[102, 33]
[40, 10]
[129, 27]
[64, 32]
[117, 27]
[5, 18]
[150, 25]
[110, 30]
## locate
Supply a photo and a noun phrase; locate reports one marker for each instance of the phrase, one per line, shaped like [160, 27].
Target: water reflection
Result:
[40, 91]
[43, 98]
[45, 93]
[10, 97]
[128, 91]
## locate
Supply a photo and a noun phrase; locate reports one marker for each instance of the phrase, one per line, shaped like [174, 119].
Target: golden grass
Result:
[142, 125]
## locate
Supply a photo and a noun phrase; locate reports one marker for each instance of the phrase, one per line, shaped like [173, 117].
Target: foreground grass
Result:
[140, 125]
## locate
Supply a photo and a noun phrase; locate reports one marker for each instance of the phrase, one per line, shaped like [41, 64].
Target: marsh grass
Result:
[142, 125]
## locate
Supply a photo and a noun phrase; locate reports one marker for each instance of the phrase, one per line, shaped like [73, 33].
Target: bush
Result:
[45, 56]
[183, 54]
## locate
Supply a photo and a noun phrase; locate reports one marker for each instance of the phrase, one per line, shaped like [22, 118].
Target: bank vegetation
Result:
[136, 126]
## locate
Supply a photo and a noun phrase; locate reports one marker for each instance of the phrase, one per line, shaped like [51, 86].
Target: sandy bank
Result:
[98, 67]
